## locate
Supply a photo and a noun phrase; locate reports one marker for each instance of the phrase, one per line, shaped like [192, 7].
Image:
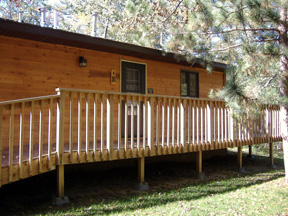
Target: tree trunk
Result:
[284, 84]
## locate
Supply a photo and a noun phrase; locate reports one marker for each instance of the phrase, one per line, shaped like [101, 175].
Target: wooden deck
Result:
[79, 126]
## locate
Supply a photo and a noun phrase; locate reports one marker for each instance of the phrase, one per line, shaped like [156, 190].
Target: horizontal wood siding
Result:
[30, 69]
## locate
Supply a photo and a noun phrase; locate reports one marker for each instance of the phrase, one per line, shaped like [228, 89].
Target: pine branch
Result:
[230, 47]
[175, 9]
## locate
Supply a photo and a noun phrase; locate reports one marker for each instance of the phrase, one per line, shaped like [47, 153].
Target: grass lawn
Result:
[173, 191]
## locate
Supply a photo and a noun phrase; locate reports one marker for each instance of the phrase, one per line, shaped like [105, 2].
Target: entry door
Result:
[133, 78]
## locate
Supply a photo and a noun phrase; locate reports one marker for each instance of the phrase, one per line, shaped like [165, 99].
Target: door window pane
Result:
[189, 84]
[183, 84]
[133, 80]
[193, 85]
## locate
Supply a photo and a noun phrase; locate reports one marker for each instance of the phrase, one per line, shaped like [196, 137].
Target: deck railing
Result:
[83, 126]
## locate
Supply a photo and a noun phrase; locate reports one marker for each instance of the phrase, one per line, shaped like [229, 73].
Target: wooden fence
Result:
[79, 126]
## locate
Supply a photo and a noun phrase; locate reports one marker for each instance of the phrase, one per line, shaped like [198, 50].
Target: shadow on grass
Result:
[109, 192]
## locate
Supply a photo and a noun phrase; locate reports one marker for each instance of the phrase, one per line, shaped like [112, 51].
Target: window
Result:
[189, 84]
[133, 77]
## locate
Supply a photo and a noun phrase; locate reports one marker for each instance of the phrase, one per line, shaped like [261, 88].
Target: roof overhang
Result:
[54, 36]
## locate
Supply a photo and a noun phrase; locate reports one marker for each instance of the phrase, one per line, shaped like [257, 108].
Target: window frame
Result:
[134, 65]
[187, 73]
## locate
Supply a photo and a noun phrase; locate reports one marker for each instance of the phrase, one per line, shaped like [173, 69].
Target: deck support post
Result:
[200, 174]
[250, 151]
[240, 160]
[141, 185]
[271, 156]
[60, 199]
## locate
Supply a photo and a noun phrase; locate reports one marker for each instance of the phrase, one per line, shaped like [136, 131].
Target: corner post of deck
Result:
[60, 199]
[240, 159]
[141, 185]
[199, 171]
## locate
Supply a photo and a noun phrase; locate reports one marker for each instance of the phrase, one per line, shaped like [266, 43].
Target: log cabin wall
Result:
[31, 68]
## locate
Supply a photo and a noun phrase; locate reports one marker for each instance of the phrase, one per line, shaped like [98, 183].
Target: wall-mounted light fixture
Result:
[82, 61]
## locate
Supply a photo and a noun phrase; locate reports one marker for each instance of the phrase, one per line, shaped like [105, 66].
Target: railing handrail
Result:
[3, 103]
[135, 94]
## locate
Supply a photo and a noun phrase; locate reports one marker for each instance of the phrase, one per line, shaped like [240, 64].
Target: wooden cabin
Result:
[68, 98]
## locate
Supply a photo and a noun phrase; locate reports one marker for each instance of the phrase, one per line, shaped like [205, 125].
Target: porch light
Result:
[82, 61]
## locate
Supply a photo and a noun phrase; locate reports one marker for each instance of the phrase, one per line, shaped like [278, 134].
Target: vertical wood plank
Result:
[31, 136]
[50, 123]
[21, 140]
[185, 123]
[71, 127]
[11, 142]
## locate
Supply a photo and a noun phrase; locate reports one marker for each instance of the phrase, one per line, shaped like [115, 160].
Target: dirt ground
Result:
[82, 185]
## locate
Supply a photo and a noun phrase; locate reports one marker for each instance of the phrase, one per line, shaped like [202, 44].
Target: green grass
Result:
[173, 190]
[258, 194]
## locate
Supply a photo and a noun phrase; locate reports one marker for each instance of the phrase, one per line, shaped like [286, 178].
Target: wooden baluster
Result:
[11, 142]
[132, 123]
[41, 136]
[71, 127]
[87, 126]
[184, 139]
[201, 123]
[126, 125]
[31, 136]
[80, 126]
[102, 124]
[50, 124]
[163, 123]
[168, 122]
[189, 122]
[173, 123]
[95, 126]
[158, 124]
[138, 123]
[178, 122]
[152, 119]
[145, 123]
[110, 125]
[21, 140]
[193, 123]
[197, 125]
